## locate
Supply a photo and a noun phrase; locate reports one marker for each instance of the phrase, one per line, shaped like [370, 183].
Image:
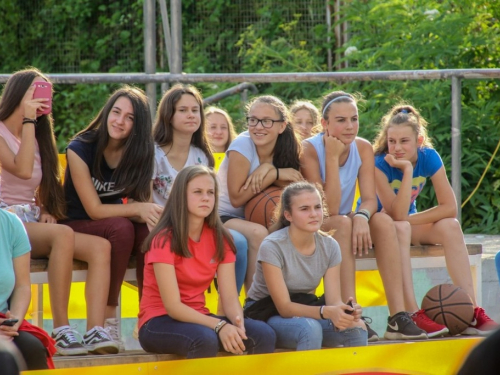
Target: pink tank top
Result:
[14, 190]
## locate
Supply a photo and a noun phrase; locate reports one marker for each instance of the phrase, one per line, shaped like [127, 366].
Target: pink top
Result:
[194, 274]
[14, 190]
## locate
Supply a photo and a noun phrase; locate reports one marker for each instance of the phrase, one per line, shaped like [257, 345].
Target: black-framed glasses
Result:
[266, 123]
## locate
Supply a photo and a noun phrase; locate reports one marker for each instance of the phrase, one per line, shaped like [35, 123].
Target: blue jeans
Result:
[497, 264]
[308, 334]
[241, 244]
[166, 335]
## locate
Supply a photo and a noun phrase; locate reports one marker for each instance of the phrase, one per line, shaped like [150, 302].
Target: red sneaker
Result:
[432, 328]
[481, 324]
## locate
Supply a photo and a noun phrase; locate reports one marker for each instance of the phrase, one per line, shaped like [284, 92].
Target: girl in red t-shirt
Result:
[183, 252]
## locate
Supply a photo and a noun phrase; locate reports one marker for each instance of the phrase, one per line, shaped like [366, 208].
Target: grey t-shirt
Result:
[302, 273]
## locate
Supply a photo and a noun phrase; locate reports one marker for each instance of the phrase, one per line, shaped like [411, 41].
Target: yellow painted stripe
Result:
[424, 358]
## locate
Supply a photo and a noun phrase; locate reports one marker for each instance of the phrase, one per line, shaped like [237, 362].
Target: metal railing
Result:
[455, 75]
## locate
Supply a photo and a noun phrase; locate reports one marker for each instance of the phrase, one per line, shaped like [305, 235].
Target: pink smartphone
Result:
[43, 90]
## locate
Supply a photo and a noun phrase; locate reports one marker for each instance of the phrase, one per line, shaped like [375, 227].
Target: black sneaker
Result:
[97, 341]
[66, 342]
[372, 335]
[402, 327]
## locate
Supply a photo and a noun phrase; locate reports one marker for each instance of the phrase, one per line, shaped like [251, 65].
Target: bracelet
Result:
[366, 212]
[361, 214]
[321, 311]
[219, 326]
[29, 121]
[277, 173]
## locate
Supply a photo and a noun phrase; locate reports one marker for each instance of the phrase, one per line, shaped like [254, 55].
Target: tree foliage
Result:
[96, 36]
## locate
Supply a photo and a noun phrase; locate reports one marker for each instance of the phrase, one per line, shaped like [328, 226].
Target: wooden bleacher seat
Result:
[422, 257]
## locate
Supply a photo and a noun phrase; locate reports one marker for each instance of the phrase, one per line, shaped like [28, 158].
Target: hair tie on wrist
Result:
[363, 215]
[27, 120]
[321, 311]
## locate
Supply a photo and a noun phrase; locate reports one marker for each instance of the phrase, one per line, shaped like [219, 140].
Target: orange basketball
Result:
[450, 305]
[260, 208]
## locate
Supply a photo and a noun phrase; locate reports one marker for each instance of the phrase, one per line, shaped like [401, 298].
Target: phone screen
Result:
[43, 90]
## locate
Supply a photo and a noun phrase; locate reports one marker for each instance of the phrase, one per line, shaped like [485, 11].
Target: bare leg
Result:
[96, 251]
[388, 257]
[403, 231]
[343, 234]
[255, 234]
[448, 233]
[57, 243]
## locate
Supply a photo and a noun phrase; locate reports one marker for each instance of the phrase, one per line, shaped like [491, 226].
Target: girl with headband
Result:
[336, 158]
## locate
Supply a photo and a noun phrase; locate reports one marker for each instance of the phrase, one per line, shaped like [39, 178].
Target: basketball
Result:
[449, 305]
[260, 208]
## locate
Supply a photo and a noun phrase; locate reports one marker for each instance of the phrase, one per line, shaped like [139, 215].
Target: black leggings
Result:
[32, 350]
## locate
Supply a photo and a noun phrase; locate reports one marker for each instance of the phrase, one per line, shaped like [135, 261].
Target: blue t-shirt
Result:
[428, 163]
[13, 243]
[105, 188]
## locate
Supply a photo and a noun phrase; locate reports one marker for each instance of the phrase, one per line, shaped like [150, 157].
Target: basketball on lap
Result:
[260, 208]
[449, 305]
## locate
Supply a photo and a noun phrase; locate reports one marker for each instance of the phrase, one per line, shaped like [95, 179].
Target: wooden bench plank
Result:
[422, 251]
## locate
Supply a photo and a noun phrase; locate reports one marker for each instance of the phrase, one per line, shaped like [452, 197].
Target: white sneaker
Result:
[67, 342]
[98, 341]
[112, 327]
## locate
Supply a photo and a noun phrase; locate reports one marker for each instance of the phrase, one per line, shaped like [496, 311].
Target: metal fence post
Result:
[150, 50]
[456, 141]
[176, 59]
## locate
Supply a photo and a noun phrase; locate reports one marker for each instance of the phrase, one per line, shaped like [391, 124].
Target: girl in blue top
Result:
[404, 160]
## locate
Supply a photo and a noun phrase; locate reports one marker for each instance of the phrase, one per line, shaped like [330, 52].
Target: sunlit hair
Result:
[50, 193]
[313, 111]
[285, 203]
[133, 173]
[401, 114]
[173, 225]
[232, 132]
[336, 97]
[163, 132]
[288, 147]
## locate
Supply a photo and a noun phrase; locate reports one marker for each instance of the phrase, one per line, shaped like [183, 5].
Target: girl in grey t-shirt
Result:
[294, 259]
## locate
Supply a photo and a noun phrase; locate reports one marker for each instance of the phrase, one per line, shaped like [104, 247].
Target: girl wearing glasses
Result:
[268, 153]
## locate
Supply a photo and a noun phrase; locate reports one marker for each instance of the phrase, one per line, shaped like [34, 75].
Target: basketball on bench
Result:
[260, 208]
[449, 305]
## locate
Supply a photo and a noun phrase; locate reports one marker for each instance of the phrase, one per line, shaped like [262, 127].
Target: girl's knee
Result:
[257, 233]
[381, 220]
[309, 328]
[403, 227]
[64, 233]
[101, 248]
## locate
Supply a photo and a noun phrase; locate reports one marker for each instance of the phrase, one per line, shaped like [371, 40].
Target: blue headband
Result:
[334, 100]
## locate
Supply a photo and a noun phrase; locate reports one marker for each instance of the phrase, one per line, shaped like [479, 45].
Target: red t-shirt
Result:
[194, 274]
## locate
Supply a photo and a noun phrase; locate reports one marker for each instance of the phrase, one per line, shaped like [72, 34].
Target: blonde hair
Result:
[313, 111]
[406, 115]
[232, 132]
